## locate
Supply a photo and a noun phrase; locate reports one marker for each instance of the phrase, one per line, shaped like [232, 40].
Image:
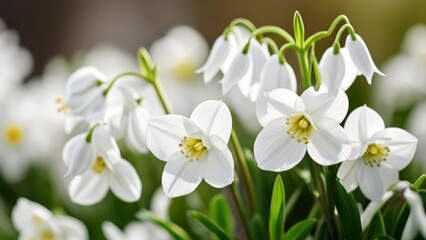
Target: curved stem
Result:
[342, 29]
[271, 44]
[246, 176]
[239, 21]
[240, 211]
[283, 49]
[273, 29]
[135, 74]
[161, 95]
[320, 35]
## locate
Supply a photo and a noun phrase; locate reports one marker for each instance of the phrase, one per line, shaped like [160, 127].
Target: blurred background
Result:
[69, 31]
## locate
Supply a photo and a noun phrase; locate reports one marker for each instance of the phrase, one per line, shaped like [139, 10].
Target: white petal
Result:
[214, 118]
[219, 170]
[410, 228]
[181, 177]
[275, 75]
[275, 150]
[362, 124]
[218, 55]
[320, 104]
[105, 143]
[332, 68]
[160, 204]
[351, 72]
[372, 209]
[124, 181]
[347, 174]
[361, 57]
[388, 176]
[89, 188]
[78, 154]
[74, 123]
[117, 118]
[371, 184]
[71, 228]
[279, 103]
[24, 211]
[83, 79]
[137, 127]
[328, 147]
[417, 212]
[239, 67]
[112, 232]
[164, 134]
[402, 148]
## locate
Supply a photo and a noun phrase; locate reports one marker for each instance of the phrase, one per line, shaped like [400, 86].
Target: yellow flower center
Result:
[99, 165]
[13, 134]
[375, 154]
[192, 148]
[62, 106]
[36, 219]
[300, 127]
[184, 71]
[47, 235]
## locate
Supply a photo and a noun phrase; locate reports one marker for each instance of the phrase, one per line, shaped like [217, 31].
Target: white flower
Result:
[361, 57]
[195, 148]
[245, 70]
[84, 97]
[294, 125]
[134, 231]
[98, 166]
[378, 153]
[418, 128]
[276, 75]
[337, 70]
[15, 62]
[416, 221]
[128, 118]
[34, 221]
[413, 44]
[178, 54]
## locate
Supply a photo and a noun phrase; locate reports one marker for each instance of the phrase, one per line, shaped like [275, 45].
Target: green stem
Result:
[342, 29]
[273, 29]
[118, 77]
[239, 21]
[283, 49]
[161, 95]
[240, 211]
[246, 176]
[320, 35]
[271, 44]
[302, 56]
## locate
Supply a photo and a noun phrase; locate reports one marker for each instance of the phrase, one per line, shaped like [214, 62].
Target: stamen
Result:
[192, 148]
[99, 165]
[300, 127]
[375, 154]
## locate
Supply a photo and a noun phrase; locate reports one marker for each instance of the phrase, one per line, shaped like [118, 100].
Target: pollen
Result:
[375, 154]
[192, 148]
[184, 71]
[300, 127]
[36, 219]
[13, 134]
[47, 235]
[62, 106]
[98, 165]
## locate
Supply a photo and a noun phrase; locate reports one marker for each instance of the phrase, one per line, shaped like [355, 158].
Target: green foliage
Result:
[207, 222]
[300, 230]
[277, 213]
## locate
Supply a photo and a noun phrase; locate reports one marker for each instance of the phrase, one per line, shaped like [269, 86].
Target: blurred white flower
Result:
[195, 148]
[134, 231]
[416, 221]
[294, 125]
[84, 99]
[34, 221]
[15, 62]
[96, 165]
[378, 153]
[361, 57]
[160, 203]
[418, 128]
[178, 54]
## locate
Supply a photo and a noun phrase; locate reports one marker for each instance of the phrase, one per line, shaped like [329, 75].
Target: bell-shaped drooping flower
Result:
[34, 221]
[84, 97]
[361, 57]
[416, 221]
[277, 75]
[94, 161]
[128, 117]
[134, 231]
[332, 68]
[195, 148]
[245, 70]
[378, 153]
[294, 125]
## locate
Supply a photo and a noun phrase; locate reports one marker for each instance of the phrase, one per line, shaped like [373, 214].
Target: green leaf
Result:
[277, 213]
[348, 212]
[300, 230]
[209, 224]
[377, 227]
[383, 237]
[419, 181]
[400, 222]
[145, 63]
[257, 227]
[220, 212]
[299, 30]
[174, 230]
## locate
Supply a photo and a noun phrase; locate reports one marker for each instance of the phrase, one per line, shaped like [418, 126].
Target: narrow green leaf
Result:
[257, 227]
[348, 212]
[209, 224]
[400, 222]
[277, 213]
[377, 227]
[300, 230]
[174, 230]
[145, 63]
[299, 30]
[383, 237]
[419, 181]
[221, 214]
